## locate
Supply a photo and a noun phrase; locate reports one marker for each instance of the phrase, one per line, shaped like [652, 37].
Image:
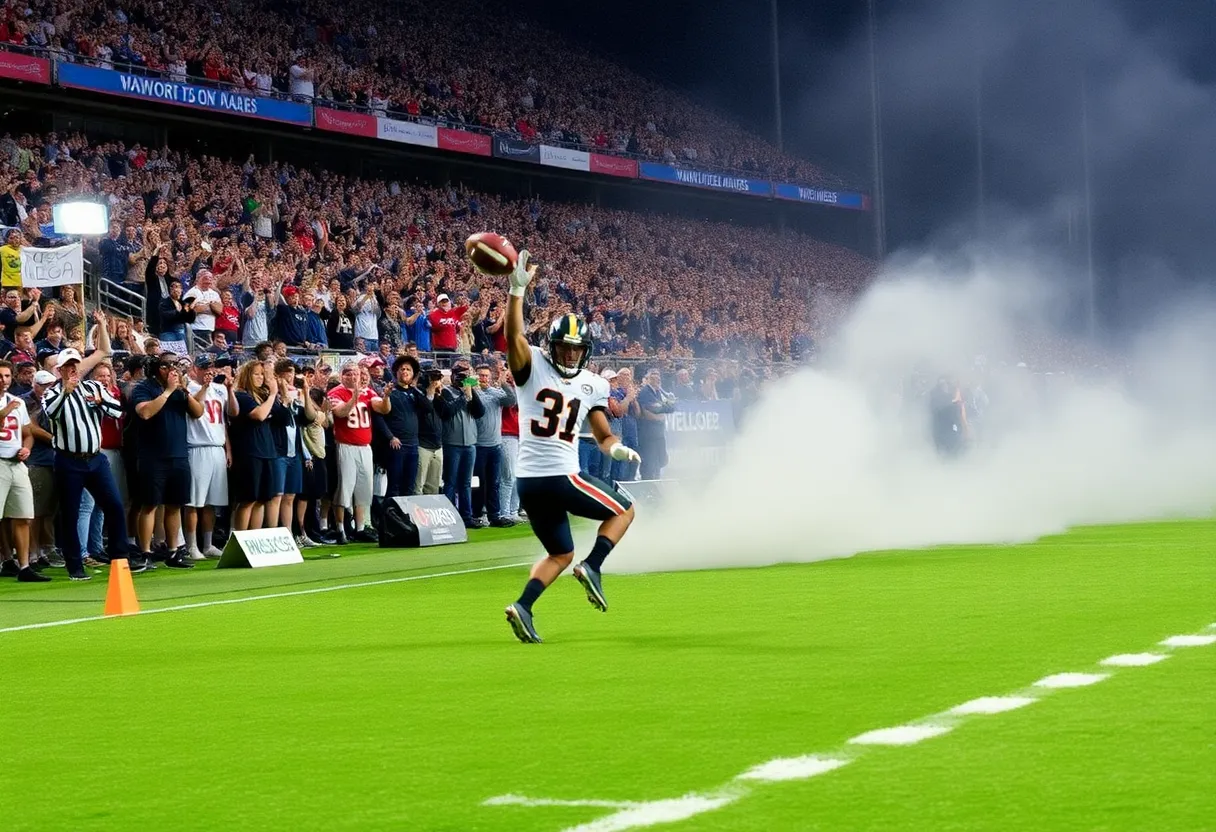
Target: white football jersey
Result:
[552, 411]
[209, 428]
[10, 426]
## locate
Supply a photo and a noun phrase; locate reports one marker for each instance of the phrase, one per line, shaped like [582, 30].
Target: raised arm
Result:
[519, 354]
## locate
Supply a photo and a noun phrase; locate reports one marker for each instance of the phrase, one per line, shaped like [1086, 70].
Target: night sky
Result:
[1148, 68]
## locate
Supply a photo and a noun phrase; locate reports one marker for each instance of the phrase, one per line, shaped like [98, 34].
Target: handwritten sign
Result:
[45, 267]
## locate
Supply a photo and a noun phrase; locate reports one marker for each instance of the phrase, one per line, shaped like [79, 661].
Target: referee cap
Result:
[44, 378]
[66, 357]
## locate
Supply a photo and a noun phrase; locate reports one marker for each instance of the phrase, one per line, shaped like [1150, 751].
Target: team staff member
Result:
[75, 408]
[16, 493]
[353, 402]
[210, 457]
[162, 403]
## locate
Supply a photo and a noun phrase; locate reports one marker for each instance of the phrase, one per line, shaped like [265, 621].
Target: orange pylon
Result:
[120, 595]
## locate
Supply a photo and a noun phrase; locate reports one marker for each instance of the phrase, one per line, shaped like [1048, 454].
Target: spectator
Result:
[10, 259]
[367, 318]
[316, 473]
[654, 402]
[340, 328]
[206, 303]
[353, 402]
[175, 315]
[508, 495]
[683, 389]
[16, 492]
[459, 407]
[291, 319]
[430, 436]
[258, 311]
[487, 465]
[161, 401]
[623, 408]
[288, 419]
[210, 455]
[41, 465]
[253, 450]
[445, 321]
[397, 432]
[228, 322]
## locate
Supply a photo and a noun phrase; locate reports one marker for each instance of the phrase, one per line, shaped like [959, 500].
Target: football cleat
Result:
[520, 620]
[590, 579]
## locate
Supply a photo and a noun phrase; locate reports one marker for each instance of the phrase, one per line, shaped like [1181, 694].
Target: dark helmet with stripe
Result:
[571, 330]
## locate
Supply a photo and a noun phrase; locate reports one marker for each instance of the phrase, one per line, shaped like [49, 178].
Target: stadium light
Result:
[81, 219]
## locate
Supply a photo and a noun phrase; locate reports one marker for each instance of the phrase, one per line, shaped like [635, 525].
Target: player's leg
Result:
[540, 497]
[596, 499]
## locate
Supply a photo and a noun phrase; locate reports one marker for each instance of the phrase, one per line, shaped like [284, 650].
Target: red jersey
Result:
[510, 421]
[111, 428]
[229, 320]
[443, 327]
[356, 428]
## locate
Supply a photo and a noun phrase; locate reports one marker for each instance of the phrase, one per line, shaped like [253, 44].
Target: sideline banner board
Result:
[21, 67]
[564, 157]
[462, 141]
[258, 548]
[824, 196]
[694, 424]
[407, 132]
[231, 101]
[428, 517]
[705, 179]
[345, 121]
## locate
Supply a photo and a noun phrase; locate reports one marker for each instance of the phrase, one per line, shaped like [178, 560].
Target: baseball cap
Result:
[290, 290]
[67, 356]
[442, 298]
[608, 374]
[203, 361]
[43, 377]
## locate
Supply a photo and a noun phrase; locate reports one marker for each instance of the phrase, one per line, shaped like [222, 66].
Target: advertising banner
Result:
[233, 102]
[258, 548]
[478, 144]
[407, 132]
[45, 267]
[341, 121]
[421, 520]
[613, 166]
[564, 157]
[697, 424]
[705, 179]
[517, 150]
[824, 196]
[21, 67]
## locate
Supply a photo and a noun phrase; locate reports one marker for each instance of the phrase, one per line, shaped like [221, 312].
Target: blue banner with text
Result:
[824, 196]
[234, 102]
[705, 179]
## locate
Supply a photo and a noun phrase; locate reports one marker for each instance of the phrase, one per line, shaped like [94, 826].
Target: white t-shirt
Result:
[301, 82]
[208, 429]
[204, 319]
[11, 425]
[552, 411]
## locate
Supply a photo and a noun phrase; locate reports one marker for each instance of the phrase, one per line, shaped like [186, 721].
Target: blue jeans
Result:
[458, 478]
[589, 457]
[88, 525]
[508, 495]
[401, 466]
[488, 467]
[73, 476]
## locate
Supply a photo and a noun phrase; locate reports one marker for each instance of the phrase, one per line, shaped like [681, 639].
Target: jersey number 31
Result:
[554, 405]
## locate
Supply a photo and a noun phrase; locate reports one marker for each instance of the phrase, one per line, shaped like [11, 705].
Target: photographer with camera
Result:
[430, 435]
[654, 403]
[396, 434]
[460, 407]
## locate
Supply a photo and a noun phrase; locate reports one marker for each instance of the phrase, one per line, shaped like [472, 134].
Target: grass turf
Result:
[405, 706]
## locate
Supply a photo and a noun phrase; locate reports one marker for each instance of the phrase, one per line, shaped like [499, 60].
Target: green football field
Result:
[383, 690]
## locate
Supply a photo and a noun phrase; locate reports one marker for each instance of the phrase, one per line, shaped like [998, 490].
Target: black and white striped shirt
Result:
[75, 423]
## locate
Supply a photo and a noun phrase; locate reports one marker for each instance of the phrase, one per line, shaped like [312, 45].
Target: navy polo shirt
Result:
[250, 438]
[164, 435]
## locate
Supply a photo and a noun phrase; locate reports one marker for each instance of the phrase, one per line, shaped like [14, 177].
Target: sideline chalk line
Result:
[640, 814]
[247, 598]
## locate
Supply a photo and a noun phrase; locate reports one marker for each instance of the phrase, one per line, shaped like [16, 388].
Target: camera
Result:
[458, 376]
[432, 376]
[220, 378]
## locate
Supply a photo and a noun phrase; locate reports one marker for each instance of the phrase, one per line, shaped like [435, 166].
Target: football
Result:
[491, 253]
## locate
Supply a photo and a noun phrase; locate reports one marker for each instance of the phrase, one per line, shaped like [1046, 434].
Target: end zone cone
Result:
[120, 595]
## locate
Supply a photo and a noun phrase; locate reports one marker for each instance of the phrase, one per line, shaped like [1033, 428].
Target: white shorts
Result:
[16, 493]
[354, 476]
[208, 476]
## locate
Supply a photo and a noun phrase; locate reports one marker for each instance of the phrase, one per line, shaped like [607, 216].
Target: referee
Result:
[75, 408]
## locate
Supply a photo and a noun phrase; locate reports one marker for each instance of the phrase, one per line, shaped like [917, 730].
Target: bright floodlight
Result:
[81, 218]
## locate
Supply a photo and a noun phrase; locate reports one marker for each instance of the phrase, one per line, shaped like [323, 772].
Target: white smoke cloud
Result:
[826, 467]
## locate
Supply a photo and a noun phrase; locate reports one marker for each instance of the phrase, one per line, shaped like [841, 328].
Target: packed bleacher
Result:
[433, 61]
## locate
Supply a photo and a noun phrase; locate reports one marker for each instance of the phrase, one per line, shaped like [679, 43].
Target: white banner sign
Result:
[564, 157]
[260, 547]
[44, 267]
[407, 132]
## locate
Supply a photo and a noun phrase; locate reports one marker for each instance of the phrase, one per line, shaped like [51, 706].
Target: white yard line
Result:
[641, 814]
[247, 598]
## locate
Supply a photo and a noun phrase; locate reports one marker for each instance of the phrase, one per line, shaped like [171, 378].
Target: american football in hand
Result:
[491, 253]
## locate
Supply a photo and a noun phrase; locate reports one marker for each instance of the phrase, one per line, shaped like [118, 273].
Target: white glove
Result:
[522, 276]
[621, 453]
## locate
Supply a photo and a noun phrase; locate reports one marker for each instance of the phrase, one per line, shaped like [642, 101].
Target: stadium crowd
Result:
[317, 300]
[416, 59]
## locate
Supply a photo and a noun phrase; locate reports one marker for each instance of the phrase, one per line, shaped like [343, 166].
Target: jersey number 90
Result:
[555, 405]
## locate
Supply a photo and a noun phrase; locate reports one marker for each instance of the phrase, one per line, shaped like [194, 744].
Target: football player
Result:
[556, 395]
